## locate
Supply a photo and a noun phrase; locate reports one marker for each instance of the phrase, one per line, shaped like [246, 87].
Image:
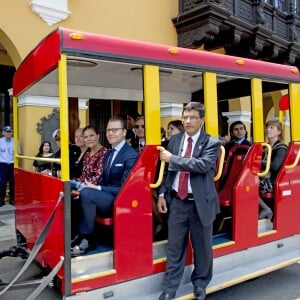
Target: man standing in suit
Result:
[117, 164]
[189, 189]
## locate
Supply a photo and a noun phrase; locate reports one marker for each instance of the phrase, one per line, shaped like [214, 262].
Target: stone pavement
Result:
[7, 226]
[10, 266]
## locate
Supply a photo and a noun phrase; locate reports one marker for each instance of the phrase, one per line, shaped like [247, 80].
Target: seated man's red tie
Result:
[184, 176]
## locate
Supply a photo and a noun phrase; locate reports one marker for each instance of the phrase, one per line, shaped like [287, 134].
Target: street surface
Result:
[283, 284]
[279, 285]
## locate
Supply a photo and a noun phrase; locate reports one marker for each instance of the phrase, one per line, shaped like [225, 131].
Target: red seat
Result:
[230, 173]
[107, 221]
[267, 195]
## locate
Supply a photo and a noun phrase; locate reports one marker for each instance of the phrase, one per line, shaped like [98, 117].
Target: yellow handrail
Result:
[221, 163]
[268, 163]
[295, 163]
[162, 168]
[161, 172]
[57, 160]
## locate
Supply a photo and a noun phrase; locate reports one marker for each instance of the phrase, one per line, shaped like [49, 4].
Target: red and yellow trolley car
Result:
[70, 64]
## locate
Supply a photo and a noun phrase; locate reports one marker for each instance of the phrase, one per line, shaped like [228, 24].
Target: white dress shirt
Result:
[185, 144]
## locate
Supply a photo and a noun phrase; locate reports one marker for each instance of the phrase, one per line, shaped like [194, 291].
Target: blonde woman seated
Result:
[273, 132]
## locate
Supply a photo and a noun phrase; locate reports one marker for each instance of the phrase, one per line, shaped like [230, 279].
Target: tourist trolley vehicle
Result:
[130, 259]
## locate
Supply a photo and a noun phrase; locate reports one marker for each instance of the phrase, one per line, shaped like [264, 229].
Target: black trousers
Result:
[184, 222]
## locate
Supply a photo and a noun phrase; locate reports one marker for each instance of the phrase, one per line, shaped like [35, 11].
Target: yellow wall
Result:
[29, 138]
[21, 30]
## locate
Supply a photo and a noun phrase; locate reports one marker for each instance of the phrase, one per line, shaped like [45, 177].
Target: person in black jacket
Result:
[45, 151]
[131, 137]
[74, 153]
[273, 132]
[238, 136]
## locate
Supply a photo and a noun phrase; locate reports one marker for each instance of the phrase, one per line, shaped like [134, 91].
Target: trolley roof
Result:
[77, 44]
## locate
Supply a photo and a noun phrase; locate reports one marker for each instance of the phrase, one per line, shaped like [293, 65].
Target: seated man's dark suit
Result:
[192, 217]
[233, 143]
[111, 181]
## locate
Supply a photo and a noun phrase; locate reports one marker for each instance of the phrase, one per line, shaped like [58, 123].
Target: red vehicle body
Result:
[133, 251]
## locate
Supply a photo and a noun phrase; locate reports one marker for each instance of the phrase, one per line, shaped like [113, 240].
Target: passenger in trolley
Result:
[100, 197]
[131, 137]
[92, 155]
[74, 153]
[273, 132]
[139, 130]
[238, 136]
[78, 164]
[92, 160]
[174, 127]
[193, 201]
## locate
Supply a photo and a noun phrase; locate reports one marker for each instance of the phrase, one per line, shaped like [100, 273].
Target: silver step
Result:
[264, 225]
[102, 262]
[228, 270]
[91, 264]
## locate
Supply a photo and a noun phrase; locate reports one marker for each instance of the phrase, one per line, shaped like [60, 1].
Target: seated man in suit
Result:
[238, 136]
[117, 165]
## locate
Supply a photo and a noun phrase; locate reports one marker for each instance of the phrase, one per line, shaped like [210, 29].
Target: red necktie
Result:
[184, 176]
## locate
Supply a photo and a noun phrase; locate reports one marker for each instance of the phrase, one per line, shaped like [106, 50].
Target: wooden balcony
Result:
[248, 28]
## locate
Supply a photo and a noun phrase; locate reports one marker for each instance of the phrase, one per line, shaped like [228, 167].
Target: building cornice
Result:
[42, 101]
[51, 12]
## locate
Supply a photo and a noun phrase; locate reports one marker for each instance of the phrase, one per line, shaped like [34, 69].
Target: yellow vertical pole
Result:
[16, 131]
[281, 117]
[257, 110]
[140, 107]
[211, 103]
[152, 105]
[64, 117]
[294, 94]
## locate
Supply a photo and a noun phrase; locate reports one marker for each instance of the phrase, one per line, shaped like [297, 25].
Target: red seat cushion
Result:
[267, 195]
[104, 220]
[232, 169]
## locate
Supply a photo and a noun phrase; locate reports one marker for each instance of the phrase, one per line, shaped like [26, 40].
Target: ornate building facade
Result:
[267, 30]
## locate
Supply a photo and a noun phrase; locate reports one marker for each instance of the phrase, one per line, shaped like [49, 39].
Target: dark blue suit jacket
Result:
[232, 143]
[113, 177]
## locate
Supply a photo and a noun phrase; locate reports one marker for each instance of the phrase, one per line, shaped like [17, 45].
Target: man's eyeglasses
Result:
[139, 126]
[192, 118]
[113, 130]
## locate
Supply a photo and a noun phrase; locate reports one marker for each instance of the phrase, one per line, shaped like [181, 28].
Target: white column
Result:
[171, 110]
[44, 101]
[233, 116]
